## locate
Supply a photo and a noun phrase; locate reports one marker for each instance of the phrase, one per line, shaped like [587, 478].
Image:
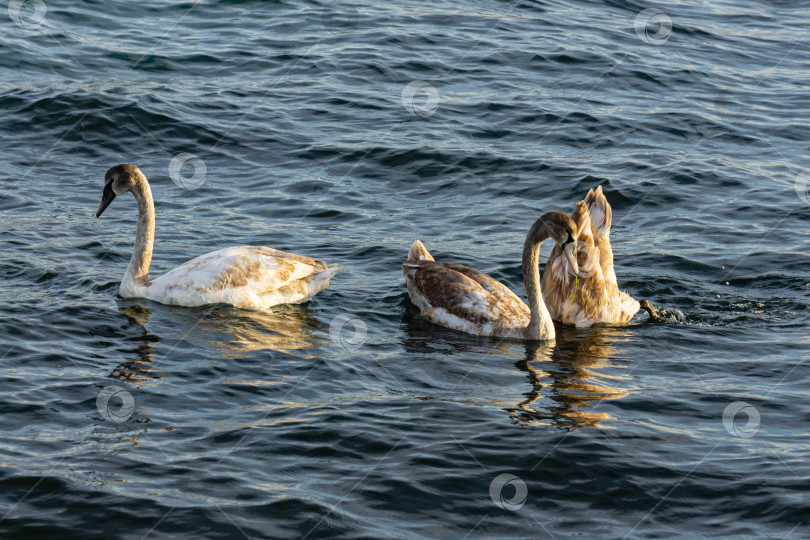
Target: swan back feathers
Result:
[244, 276]
[462, 298]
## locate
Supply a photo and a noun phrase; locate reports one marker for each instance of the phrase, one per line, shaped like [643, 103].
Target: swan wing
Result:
[459, 297]
[246, 276]
[618, 307]
[601, 215]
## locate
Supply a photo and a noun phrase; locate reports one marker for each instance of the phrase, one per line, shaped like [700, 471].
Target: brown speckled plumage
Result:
[462, 298]
[456, 288]
[597, 298]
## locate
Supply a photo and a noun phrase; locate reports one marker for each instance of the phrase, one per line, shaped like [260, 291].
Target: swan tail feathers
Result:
[320, 281]
[330, 271]
[600, 210]
[418, 252]
[315, 283]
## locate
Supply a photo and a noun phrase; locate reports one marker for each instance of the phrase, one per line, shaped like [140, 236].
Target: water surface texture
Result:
[344, 131]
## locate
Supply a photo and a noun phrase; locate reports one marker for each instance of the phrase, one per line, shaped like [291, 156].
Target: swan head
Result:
[563, 231]
[117, 181]
[560, 227]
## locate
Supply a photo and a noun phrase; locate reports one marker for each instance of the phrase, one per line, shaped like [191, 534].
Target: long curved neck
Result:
[540, 326]
[138, 269]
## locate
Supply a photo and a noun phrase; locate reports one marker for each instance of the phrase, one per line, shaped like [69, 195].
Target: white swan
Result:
[464, 299]
[244, 276]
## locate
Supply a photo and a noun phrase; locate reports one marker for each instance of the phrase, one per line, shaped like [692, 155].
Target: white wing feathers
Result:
[247, 277]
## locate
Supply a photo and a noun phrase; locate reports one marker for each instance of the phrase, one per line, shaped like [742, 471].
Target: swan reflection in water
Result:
[231, 332]
[567, 381]
[567, 374]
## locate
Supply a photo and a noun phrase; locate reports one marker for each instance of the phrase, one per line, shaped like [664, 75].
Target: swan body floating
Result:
[588, 294]
[252, 277]
[461, 298]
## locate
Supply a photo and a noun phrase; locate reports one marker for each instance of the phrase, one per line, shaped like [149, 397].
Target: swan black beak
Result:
[106, 198]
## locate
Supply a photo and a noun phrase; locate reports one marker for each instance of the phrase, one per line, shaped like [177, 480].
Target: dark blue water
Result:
[344, 131]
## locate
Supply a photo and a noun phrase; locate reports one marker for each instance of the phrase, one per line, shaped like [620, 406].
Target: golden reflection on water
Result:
[566, 381]
[233, 333]
[569, 380]
[238, 332]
